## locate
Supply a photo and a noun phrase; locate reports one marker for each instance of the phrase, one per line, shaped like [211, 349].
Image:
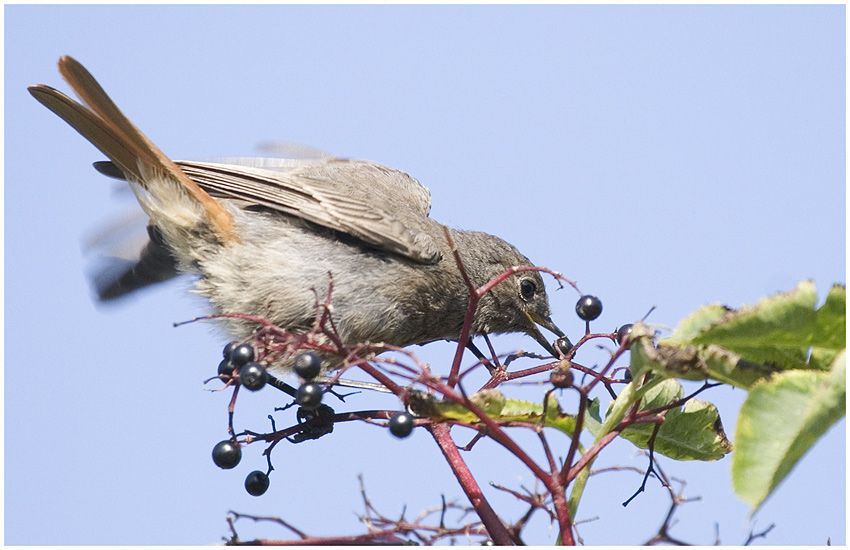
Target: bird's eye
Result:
[527, 288]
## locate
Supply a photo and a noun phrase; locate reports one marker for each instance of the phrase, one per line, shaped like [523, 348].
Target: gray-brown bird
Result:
[264, 242]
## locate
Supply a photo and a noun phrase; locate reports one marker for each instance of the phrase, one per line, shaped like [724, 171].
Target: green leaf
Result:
[592, 419]
[830, 332]
[527, 411]
[777, 330]
[689, 432]
[743, 347]
[698, 321]
[780, 420]
[662, 394]
[490, 401]
[692, 432]
[500, 409]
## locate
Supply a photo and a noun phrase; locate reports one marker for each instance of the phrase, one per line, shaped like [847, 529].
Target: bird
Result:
[266, 238]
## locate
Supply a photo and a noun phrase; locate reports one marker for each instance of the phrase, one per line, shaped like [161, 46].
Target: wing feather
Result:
[384, 217]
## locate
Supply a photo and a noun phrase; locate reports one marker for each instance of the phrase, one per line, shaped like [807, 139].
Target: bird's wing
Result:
[375, 204]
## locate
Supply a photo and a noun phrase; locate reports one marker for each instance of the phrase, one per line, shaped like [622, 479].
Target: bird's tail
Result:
[176, 205]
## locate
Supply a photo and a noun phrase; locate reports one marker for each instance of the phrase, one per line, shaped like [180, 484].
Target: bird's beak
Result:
[535, 333]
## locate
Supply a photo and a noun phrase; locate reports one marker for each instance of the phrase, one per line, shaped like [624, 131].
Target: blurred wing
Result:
[380, 206]
[127, 258]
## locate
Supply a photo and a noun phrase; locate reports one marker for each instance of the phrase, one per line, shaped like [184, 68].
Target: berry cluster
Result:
[227, 454]
[239, 361]
[239, 367]
[308, 365]
[588, 308]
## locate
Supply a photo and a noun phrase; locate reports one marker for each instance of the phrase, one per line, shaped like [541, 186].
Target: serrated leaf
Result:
[490, 401]
[776, 330]
[743, 347]
[698, 321]
[527, 411]
[780, 420]
[500, 409]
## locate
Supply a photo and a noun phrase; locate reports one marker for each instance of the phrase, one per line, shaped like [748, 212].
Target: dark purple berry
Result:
[307, 365]
[623, 334]
[563, 345]
[225, 368]
[588, 307]
[256, 483]
[253, 376]
[401, 424]
[241, 355]
[309, 396]
[228, 349]
[627, 375]
[226, 454]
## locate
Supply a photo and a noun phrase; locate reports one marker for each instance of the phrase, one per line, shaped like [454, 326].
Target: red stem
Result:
[497, 433]
[474, 297]
[562, 510]
[550, 480]
[591, 454]
[582, 408]
[497, 530]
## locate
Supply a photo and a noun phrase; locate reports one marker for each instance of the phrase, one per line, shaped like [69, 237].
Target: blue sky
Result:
[665, 156]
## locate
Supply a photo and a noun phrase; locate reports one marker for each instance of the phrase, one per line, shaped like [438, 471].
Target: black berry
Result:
[627, 375]
[241, 355]
[307, 365]
[225, 368]
[309, 396]
[228, 349]
[256, 483]
[623, 333]
[401, 424]
[563, 345]
[253, 376]
[588, 307]
[226, 454]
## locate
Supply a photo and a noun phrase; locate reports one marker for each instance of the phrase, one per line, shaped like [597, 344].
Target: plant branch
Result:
[497, 530]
